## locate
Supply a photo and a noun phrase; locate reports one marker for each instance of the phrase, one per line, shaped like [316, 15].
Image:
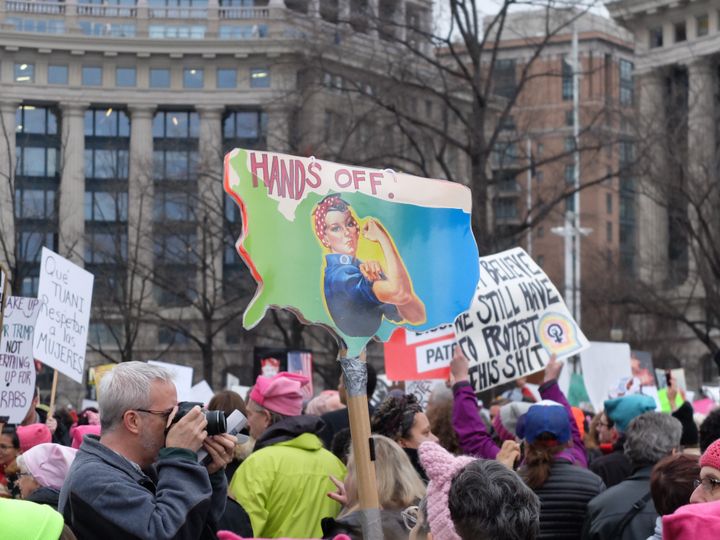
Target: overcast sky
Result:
[490, 7]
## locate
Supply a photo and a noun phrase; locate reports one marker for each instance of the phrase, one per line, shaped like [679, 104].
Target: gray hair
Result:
[650, 437]
[488, 501]
[125, 387]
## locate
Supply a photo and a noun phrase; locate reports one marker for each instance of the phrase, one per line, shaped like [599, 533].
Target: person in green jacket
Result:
[283, 484]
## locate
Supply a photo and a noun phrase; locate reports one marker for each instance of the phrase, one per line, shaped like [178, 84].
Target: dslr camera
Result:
[216, 421]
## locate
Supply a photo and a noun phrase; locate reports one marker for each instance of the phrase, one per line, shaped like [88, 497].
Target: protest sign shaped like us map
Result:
[65, 292]
[17, 368]
[517, 319]
[358, 251]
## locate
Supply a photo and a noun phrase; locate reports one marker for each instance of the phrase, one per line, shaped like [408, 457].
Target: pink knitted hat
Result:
[49, 463]
[441, 467]
[33, 435]
[281, 393]
[711, 456]
[77, 433]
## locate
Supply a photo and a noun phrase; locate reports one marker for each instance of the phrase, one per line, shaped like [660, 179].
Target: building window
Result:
[91, 76]
[57, 74]
[680, 32]
[24, 73]
[570, 173]
[656, 37]
[626, 82]
[243, 31]
[49, 26]
[702, 25]
[173, 206]
[90, 28]
[106, 163]
[569, 144]
[567, 80]
[609, 203]
[125, 76]
[504, 78]
[107, 123]
[540, 232]
[609, 231]
[162, 31]
[505, 208]
[159, 78]
[569, 118]
[175, 125]
[570, 203]
[35, 203]
[226, 78]
[106, 206]
[193, 78]
[36, 120]
[106, 248]
[541, 261]
[247, 129]
[31, 244]
[259, 78]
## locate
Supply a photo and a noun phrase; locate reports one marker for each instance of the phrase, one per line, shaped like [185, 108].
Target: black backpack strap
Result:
[627, 518]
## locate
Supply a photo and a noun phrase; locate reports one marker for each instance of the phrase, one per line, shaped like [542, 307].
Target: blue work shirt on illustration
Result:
[353, 306]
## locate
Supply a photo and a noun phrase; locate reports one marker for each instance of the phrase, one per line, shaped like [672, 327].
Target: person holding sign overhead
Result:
[358, 295]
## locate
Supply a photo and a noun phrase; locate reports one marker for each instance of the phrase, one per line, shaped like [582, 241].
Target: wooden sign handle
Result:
[355, 377]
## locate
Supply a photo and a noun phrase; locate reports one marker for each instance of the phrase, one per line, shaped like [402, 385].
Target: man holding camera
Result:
[141, 479]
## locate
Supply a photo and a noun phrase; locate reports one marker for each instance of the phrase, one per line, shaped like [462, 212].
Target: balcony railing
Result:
[39, 8]
[244, 13]
[94, 10]
[178, 13]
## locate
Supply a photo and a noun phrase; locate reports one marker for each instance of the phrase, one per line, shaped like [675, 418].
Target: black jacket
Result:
[564, 498]
[614, 467]
[607, 510]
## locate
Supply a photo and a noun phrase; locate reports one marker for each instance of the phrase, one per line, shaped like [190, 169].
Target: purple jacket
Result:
[476, 441]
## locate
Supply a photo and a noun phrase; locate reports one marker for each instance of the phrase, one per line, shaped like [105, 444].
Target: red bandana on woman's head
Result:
[331, 202]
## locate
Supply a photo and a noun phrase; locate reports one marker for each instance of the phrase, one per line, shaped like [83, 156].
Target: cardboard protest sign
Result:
[359, 251]
[422, 390]
[182, 377]
[301, 362]
[65, 292]
[515, 322]
[414, 356]
[605, 365]
[17, 366]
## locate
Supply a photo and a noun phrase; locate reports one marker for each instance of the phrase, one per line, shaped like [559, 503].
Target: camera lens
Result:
[215, 422]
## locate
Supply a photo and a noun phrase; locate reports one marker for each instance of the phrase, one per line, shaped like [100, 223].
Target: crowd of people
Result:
[519, 470]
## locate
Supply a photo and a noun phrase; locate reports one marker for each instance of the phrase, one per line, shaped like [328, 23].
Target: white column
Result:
[7, 182]
[210, 210]
[373, 14]
[702, 160]
[344, 11]
[140, 201]
[652, 214]
[278, 135]
[71, 215]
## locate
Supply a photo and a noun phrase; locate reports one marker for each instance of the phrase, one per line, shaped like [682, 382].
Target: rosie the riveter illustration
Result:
[359, 294]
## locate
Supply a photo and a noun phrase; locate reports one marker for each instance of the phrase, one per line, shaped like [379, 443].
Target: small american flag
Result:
[301, 362]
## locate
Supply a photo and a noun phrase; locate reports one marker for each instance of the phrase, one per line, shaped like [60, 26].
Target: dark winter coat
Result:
[564, 498]
[107, 497]
[607, 509]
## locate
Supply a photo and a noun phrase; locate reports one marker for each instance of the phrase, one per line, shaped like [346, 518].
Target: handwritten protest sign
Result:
[65, 291]
[359, 251]
[516, 320]
[414, 356]
[17, 367]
